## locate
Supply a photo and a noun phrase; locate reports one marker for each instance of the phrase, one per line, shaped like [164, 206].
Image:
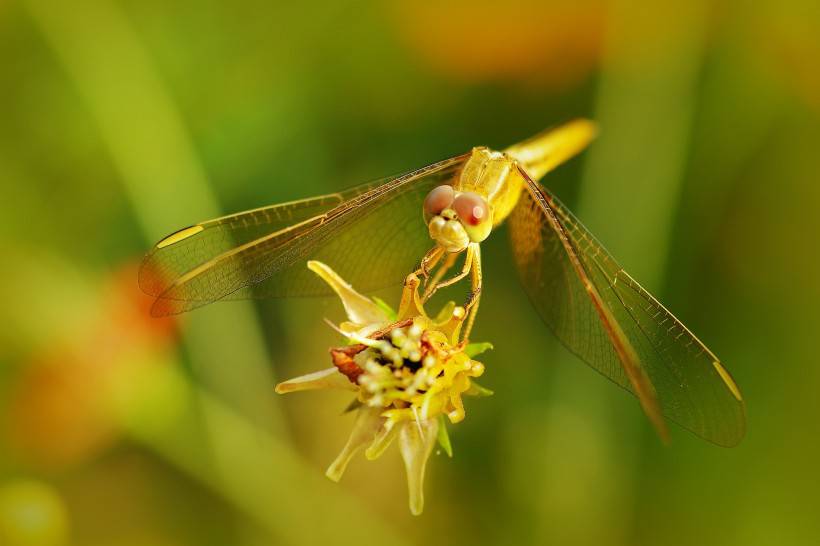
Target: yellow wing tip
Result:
[180, 235]
[727, 379]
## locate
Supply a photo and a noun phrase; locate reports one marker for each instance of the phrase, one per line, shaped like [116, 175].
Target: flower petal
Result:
[474, 349]
[477, 390]
[444, 438]
[391, 313]
[446, 313]
[382, 441]
[360, 309]
[368, 422]
[324, 379]
[456, 415]
[411, 305]
[416, 440]
[452, 328]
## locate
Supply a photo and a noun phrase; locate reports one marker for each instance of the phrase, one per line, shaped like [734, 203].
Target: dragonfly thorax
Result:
[496, 177]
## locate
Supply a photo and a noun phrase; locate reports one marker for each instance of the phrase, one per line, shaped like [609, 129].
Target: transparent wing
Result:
[193, 246]
[568, 274]
[372, 235]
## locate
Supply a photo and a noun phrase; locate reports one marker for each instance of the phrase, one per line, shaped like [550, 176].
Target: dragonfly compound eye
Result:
[438, 199]
[471, 208]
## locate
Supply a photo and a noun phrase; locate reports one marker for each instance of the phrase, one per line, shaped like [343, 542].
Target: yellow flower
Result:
[408, 370]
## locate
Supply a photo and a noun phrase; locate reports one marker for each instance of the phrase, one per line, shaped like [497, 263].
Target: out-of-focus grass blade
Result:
[167, 186]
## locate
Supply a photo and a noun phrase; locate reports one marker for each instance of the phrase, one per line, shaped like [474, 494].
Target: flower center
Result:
[399, 367]
[409, 371]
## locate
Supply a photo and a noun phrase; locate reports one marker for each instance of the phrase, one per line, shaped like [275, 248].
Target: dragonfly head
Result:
[456, 219]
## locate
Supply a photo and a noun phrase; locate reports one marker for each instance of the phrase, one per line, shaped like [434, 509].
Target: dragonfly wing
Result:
[372, 235]
[195, 245]
[593, 306]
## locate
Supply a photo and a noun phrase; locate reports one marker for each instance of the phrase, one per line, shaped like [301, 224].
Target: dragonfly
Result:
[429, 219]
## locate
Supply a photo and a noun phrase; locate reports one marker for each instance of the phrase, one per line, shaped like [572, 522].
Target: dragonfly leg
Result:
[448, 263]
[429, 261]
[468, 264]
[475, 293]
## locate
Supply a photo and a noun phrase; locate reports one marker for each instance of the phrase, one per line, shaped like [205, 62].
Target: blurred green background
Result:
[121, 121]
